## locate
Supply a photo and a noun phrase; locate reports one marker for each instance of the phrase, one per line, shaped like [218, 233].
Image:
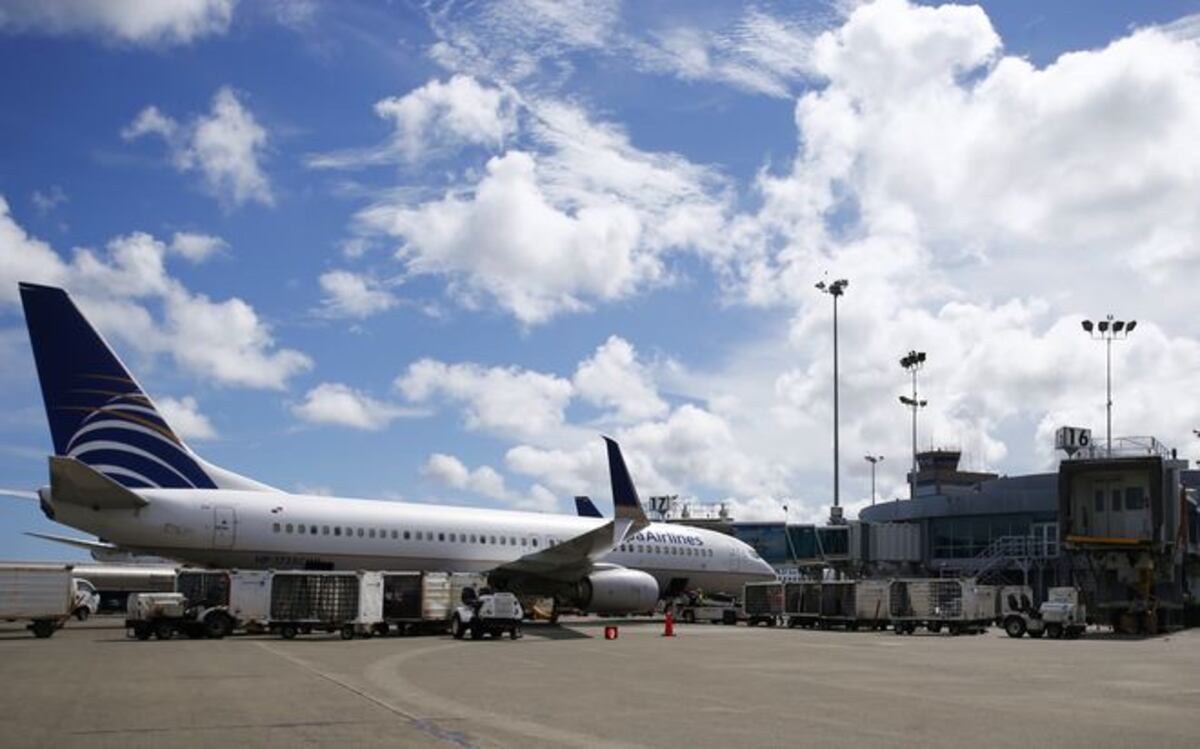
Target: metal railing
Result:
[1004, 552]
[1123, 447]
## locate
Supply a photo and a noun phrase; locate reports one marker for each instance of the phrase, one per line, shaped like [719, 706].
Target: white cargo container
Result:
[871, 603]
[959, 605]
[250, 598]
[43, 594]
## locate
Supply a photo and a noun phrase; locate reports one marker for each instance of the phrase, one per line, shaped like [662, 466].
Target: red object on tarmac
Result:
[610, 633]
[669, 625]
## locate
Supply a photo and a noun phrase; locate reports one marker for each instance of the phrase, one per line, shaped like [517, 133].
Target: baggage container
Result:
[838, 605]
[207, 588]
[959, 605]
[763, 603]
[305, 601]
[43, 594]
[871, 603]
[803, 603]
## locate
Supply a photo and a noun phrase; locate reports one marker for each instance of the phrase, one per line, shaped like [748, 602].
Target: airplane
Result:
[585, 508]
[120, 472]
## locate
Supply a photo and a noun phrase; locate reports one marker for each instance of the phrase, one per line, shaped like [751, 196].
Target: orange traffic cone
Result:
[669, 624]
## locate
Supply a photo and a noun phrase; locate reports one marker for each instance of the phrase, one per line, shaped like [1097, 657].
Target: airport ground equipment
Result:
[1064, 614]
[347, 602]
[802, 603]
[87, 600]
[42, 594]
[225, 600]
[763, 603]
[838, 607]
[961, 606]
[422, 602]
[161, 615]
[1132, 534]
[1016, 613]
[871, 608]
[715, 609]
[485, 613]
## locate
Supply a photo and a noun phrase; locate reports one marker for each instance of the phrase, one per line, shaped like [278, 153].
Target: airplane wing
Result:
[585, 508]
[79, 543]
[574, 558]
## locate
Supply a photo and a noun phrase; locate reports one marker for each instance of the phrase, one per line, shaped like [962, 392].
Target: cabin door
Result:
[224, 527]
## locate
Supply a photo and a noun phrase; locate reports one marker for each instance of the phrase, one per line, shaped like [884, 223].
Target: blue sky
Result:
[431, 252]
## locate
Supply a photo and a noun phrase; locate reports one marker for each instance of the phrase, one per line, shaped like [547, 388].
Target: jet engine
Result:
[618, 591]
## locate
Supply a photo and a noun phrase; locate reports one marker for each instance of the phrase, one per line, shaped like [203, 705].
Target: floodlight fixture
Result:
[1087, 326]
[1109, 330]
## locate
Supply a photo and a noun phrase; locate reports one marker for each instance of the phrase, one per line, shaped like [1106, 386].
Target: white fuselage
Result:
[263, 530]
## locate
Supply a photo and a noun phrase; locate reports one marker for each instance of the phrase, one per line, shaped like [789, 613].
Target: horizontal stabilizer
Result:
[74, 482]
[19, 494]
[79, 543]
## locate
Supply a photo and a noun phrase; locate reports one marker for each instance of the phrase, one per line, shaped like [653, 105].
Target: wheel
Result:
[142, 632]
[457, 629]
[82, 613]
[515, 633]
[218, 625]
[164, 630]
[42, 628]
[348, 632]
[1014, 626]
[898, 628]
[288, 631]
[689, 617]
[1054, 631]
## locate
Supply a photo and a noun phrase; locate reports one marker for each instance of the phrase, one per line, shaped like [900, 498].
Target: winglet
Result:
[625, 499]
[585, 508]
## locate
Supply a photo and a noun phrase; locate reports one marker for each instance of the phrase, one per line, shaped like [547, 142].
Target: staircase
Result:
[1003, 553]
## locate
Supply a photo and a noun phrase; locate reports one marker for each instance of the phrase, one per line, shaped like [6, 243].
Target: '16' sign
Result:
[1072, 439]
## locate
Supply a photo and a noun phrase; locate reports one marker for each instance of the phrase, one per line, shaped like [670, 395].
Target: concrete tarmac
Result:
[568, 687]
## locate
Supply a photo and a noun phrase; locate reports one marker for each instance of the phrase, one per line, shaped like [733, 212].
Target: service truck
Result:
[1064, 613]
[715, 609]
[42, 594]
[487, 613]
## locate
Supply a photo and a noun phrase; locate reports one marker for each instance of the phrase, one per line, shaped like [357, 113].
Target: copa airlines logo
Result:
[122, 436]
[668, 538]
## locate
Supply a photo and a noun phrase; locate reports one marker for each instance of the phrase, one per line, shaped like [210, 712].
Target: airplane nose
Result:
[764, 569]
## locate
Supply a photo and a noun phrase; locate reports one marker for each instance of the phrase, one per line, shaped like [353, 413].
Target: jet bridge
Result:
[1130, 529]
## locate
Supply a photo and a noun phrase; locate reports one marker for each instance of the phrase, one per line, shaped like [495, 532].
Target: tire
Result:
[1054, 631]
[1014, 627]
[515, 633]
[217, 626]
[82, 613]
[164, 630]
[458, 630]
[288, 631]
[348, 632]
[42, 628]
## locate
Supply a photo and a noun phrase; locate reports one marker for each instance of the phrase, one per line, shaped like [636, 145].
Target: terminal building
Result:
[1070, 527]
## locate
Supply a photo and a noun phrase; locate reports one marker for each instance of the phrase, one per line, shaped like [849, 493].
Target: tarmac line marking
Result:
[385, 674]
[423, 725]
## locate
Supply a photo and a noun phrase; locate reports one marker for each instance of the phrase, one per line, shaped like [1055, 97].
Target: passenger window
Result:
[483, 539]
[275, 527]
[324, 530]
[524, 541]
[394, 534]
[360, 532]
[300, 527]
[337, 530]
[535, 543]
[493, 540]
[441, 536]
[406, 535]
[473, 539]
[371, 533]
[503, 541]
[420, 536]
[312, 530]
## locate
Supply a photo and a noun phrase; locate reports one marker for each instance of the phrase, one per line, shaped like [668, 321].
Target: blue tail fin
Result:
[98, 413]
[625, 497]
[586, 509]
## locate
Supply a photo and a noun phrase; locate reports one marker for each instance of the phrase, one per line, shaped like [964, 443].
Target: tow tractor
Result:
[1017, 614]
[487, 612]
[1065, 615]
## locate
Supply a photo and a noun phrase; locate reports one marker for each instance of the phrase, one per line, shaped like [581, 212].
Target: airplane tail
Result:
[585, 508]
[626, 505]
[99, 415]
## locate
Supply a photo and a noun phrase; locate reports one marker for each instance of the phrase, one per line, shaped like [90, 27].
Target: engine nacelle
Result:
[618, 591]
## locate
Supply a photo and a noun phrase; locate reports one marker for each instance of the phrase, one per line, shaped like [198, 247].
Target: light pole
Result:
[873, 459]
[835, 290]
[1108, 330]
[912, 362]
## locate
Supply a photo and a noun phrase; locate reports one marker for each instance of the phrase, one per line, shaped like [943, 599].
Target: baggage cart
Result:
[763, 603]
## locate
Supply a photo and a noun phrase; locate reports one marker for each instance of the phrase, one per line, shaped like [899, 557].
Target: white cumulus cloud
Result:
[349, 294]
[197, 247]
[335, 403]
[183, 414]
[615, 379]
[226, 146]
[149, 22]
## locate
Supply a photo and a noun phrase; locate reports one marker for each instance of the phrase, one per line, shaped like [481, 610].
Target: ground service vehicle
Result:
[487, 613]
[696, 607]
[347, 602]
[763, 603]
[1064, 614]
[87, 600]
[161, 615]
[1017, 614]
[418, 602]
[43, 594]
